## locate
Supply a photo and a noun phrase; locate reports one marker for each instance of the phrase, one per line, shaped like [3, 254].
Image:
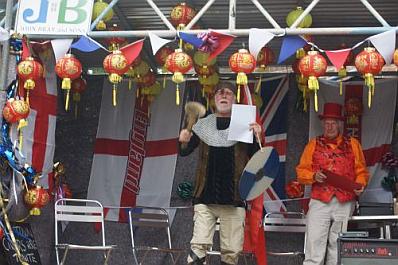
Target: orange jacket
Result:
[355, 169]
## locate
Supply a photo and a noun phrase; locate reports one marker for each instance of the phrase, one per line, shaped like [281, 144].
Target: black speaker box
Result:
[366, 251]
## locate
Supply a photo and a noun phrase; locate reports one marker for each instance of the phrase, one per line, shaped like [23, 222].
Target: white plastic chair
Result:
[79, 210]
[288, 222]
[152, 218]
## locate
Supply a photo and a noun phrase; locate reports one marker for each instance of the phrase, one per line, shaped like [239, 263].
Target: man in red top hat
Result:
[328, 156]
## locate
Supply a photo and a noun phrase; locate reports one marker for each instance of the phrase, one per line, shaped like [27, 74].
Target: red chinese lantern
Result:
[114, 43]
[29, 71]
[178, 63]
[369, 63]
[68, 68]
[15, 110]
[36, 198]
[353, 106]
[396, 57]
[313, 65]
[162, 54]
[294, 189]
[78, 87]
[181, 15]
[264, 58]
[242, 63]
[115, 64]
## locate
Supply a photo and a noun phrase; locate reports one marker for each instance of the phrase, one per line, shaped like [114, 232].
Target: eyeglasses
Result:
[225, 92]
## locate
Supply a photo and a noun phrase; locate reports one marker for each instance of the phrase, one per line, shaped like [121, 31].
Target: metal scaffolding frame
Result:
[171, 31]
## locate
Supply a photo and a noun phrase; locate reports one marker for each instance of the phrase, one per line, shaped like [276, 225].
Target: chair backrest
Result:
[293, 222]
[79, 210]
[149, 217]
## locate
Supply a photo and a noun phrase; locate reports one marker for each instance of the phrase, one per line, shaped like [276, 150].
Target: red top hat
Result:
[332, 111]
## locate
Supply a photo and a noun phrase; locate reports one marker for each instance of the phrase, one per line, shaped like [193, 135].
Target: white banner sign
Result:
[54, 17]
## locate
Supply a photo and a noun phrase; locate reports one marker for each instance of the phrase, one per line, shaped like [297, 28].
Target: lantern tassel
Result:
[178, 77]
[164, 81]
[29, 84]
[241, 79]
[22, 123]
[76, 110]
[27, 97]
[342, 73]
[101, 25]
[66, 83]
[238, 95]
[137, 92]
[177, 95]
[114, 95]
[258, 86]
[67, 100]
[313, 84]
[300, 53]
[76, 99]
[370, 83]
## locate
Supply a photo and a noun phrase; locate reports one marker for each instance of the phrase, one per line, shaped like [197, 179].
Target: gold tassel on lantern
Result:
[342, 73]
[177, 78]
[29, 85]
[370, 83]
[300, 53]
[313, 85]
[114, 79]
[22, 123]
[66, 85]
[76, 99]
[241, 79]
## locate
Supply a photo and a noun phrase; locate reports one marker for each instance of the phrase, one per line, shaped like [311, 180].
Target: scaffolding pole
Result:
[245, 32]
[6, 46]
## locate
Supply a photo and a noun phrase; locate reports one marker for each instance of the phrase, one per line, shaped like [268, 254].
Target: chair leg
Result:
[107, 255]
[64, 257]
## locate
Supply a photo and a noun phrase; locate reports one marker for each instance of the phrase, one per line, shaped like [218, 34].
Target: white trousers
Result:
[324, 222]
[232, 220]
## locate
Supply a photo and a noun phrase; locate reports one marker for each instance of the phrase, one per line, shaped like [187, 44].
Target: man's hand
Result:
[359, 191]
[185, 136]
[320, 177]
[256, 128]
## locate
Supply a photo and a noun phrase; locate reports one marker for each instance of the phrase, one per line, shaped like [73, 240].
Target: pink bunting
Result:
[132, 50]
[224, 40]
[338, 57]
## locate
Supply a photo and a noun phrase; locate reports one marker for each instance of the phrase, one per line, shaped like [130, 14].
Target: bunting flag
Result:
[373, 127]
[191, 38]
[60, 47]
[132, 50]
[258, 38]
[157, 42]
[385, 44]
[290, 45]
[338, 57]
[87, 44]
[224, 40]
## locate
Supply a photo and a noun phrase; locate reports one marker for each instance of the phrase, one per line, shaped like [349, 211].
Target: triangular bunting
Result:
[60, 47]
[290, 45]
[157, 42]
[86, 44]
[132, 50]
[338, 57]
[224, 41]
[191, 38]
[258, 38]
[385, 44]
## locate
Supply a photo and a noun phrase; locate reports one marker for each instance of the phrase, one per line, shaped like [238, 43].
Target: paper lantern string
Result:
[210, 42]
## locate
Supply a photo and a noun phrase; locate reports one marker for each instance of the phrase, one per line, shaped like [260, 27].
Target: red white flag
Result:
[39, 136]
[373, 128]
[135, 156]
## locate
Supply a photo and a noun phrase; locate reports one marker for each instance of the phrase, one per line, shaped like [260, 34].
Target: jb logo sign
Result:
[54, 17]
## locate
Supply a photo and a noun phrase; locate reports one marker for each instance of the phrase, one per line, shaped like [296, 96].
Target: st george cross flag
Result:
[39, 136]
[374, 127]
[135, 152]
[273, 115]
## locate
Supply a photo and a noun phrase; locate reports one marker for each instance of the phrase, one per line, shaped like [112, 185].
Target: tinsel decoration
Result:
[185, 190]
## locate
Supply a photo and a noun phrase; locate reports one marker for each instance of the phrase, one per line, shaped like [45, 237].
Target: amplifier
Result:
[365, 251]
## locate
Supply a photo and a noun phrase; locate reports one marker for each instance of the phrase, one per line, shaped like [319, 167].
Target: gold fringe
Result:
[114, 95]
[177, 95]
